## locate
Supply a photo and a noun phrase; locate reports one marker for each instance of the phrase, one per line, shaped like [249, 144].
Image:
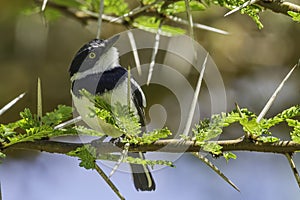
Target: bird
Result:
[96, 69]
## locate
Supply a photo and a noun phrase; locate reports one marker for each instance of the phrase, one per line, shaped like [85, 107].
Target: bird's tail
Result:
[142, 177]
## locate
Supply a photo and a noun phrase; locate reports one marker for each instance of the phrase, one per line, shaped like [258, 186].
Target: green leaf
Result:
[251, 126]
[231, 117]
[291, 112]
[117, 7]
[209, 129]
[295, 16]
[86, 131]
[252, 10]
[148, 162]
[147, 2]
[121, 119]
[295, 134]
[52, 14]
[29, 128]
[151, 24]
[87, 156]
[101, 108]
[28, 120]
[172, 31]
[31, 10]
[67, 3]
[7, 131]
[126, 120]
[292, 122]
[155, 135]
[212, 147]
[197, 6]
[229, 155]
[267, 139]
[179, 7]
[60, 114]
[2, 155]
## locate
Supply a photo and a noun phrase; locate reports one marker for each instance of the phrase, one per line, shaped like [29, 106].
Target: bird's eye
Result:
[92, 55]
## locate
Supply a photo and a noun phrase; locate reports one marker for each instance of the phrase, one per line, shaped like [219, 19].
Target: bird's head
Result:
[95, 56]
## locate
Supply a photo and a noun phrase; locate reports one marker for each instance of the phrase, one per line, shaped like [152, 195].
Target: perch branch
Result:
[168, 145]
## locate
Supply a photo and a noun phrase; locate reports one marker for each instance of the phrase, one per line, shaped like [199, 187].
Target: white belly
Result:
[84, 107]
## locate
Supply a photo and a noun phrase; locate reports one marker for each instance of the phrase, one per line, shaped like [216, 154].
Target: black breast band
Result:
[100, 82]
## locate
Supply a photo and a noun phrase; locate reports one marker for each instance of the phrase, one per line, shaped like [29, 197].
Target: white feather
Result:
[108, 60]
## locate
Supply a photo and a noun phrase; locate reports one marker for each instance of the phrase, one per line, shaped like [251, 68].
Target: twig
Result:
[274, 5]
[280, 6]
[0, 192]
[108, 181]
[293, 166]
[213, 167]
[136, 11]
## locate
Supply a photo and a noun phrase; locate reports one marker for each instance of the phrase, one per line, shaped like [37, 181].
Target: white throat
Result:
[107, 61]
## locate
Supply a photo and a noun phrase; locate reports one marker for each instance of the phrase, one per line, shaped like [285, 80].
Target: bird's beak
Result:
[111, 41]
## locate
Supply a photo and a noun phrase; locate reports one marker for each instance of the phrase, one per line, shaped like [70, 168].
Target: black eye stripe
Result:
[86, 56]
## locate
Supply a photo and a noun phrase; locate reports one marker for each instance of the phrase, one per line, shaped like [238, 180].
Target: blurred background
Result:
[252, 63]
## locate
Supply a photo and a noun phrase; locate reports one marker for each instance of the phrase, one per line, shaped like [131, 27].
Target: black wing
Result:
[139, 102]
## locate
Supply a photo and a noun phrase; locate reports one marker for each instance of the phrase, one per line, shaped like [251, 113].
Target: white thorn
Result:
[122, 157]
[67, 123]
[134, 51]
[274, 95]
[11, 103]
[197, 25]
[250, 2]
[44, 5]
[154, 53]
[195, 99]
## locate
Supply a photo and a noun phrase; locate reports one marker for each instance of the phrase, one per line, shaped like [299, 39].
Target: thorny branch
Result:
[278, 6]
[168, 145]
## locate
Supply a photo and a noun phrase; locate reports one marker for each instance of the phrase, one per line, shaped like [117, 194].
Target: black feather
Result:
[99, 83]
[139, 175]
[81, 61]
